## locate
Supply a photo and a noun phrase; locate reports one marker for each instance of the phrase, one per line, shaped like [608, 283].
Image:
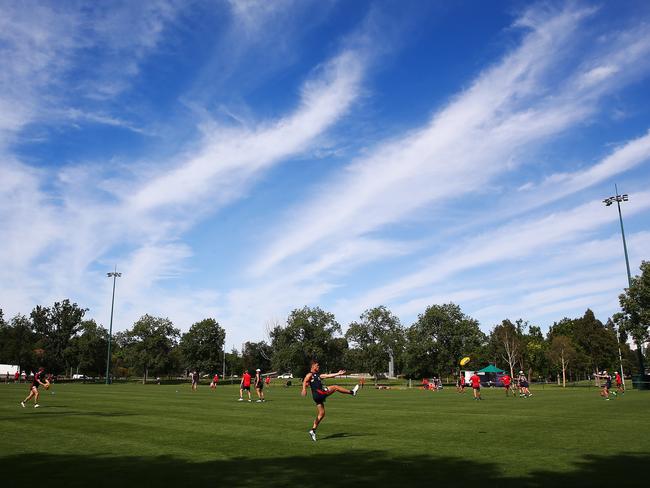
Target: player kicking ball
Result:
[33, 390]
[320, 392]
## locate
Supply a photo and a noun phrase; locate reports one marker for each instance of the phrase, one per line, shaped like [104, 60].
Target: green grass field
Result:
[136, 435]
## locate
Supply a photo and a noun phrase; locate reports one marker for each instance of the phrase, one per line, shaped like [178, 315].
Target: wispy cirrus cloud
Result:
[81, 216]
[509, 109]
[547, 85]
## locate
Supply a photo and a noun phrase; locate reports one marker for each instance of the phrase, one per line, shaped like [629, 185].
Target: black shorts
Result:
[259, 386]
[477, 388]
[247, 388]
[319, 398]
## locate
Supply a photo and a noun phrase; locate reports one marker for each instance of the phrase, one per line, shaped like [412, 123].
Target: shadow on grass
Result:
[345, 469]
[341, 435]
[26, 415]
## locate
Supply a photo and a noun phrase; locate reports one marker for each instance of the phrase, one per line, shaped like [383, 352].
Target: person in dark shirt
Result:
[320, 392]
[259, 385]
[606, 386]
[33, 389]
[195, 379]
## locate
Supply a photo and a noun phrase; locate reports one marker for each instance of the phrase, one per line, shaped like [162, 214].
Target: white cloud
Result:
[230, 158]
[510, 107]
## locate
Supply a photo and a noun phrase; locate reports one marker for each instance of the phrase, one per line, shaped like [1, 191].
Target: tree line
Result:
[64, 341]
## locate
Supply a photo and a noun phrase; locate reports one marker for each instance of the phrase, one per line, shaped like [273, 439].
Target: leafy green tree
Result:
[234, 363]
[307, 335]
[17, 343]
[532, 356]
[379, 336]
[561, 352]
[202, 346]
[506, 340]
[149, 344]
[595, 344]
[635, 305]
[90, 347]
[257, 355]
[442, 335]
[55, 327]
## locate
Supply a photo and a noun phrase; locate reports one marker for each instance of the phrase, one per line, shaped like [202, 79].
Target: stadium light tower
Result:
[114, 275]
[609, 201]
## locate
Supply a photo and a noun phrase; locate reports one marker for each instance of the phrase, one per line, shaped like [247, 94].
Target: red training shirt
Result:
[247, 379]
[476, 381]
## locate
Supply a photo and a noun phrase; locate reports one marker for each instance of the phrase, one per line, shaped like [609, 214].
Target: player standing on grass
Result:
[259, 385]
[320, 392]
[245, 384]
[619, 383]
[475, 379]
[195, 379]
[460, 383]
[33, 390]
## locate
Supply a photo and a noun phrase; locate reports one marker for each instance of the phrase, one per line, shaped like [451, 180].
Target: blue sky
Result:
[238, 160]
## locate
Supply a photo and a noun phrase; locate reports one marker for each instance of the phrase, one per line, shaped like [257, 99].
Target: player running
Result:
[320, 392]
[245, 384]
[506, 380]
[33, 390]
[195, 379]
[475, 380]
[259, 385]
[523, 385]
[215, 380]
[607, 385]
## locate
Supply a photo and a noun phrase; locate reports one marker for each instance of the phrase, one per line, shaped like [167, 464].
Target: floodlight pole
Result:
[114, 275]
[608, 201]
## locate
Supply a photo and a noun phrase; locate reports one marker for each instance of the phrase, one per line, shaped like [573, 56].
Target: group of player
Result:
[314, 381]
[259, 381]
[475, 381]
[607, 385]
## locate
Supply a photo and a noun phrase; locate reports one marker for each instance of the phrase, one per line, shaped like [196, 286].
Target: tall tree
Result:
[257, 355]
[506, 340]
[202, 346]
[89, 348]
[635, 305]
[17, 343]
[55, 328]
[440, 337]
[561, 352]
[533, 351]
[307, 335]
[379, 337]
[234, 363]
[148, 345]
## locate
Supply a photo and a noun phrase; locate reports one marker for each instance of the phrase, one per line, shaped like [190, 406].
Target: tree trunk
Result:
[563, 370]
